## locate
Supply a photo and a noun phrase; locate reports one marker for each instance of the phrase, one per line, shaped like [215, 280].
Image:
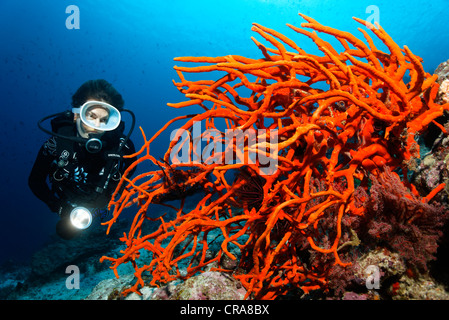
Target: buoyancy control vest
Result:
[88, 178]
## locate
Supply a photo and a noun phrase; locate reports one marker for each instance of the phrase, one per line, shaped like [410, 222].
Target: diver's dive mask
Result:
[109, 122]
[97, 116]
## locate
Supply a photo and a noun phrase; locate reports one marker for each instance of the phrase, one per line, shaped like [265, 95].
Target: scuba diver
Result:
[83, 159]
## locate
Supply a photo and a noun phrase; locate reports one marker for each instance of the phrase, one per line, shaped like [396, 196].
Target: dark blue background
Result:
[132, 44]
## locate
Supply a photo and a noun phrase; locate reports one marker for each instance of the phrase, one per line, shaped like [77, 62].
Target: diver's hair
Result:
[99, 90]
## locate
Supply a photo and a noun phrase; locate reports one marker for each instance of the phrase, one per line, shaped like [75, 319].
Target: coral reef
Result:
[433, 169]
[417, 288]
[44, 276]
[111, 289]
[82, 251]
[12, 276]
[343, 121]
[390, 264]
[206, 286]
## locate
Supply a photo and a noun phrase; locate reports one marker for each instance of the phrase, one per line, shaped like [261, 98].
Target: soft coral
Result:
[403, 221]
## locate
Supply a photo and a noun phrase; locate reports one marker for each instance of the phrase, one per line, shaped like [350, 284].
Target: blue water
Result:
[132, 45]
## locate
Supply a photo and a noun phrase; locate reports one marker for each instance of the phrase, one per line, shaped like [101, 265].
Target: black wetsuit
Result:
[65, 171]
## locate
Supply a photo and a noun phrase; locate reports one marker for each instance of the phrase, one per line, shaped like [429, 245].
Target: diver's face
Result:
[95, 115]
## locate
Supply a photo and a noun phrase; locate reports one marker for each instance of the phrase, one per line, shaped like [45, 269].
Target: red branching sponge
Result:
[340, 118]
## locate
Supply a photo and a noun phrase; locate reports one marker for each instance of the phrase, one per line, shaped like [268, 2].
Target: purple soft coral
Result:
[402, 221]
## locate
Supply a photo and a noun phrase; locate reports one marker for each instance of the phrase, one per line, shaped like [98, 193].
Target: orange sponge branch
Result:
[339, 118]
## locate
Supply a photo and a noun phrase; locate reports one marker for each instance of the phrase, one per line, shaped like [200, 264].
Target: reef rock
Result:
[442, 71]
[420, 287]
[383, 262]
[209, 285]
[83, 251]
[110, 289]
[434, 167]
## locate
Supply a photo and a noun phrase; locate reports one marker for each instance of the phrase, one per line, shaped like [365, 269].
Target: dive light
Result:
[81, 218]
